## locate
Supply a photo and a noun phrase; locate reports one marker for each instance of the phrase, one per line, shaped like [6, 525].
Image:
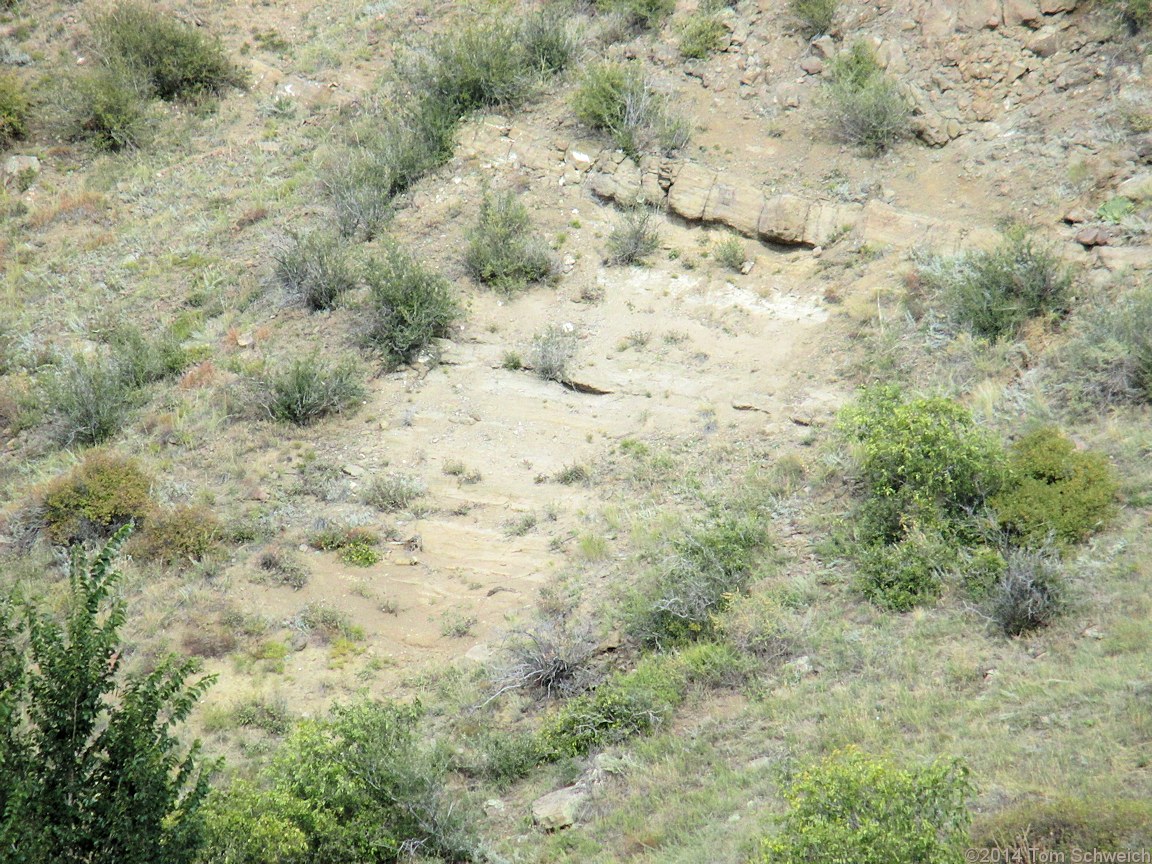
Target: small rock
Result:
[825, 46]
[559, 809]
[1091, 236]
[746, 267]
[494, 805]
[352, 470]
[1077, 215]
[1092, 633]
[245, 340]
[1044, 42]
[1137, 188]
[23, 168]
[812, 65]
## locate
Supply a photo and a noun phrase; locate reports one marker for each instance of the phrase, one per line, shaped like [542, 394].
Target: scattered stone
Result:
[559, 809]
[824, 46]
[746, 267]
[480, 653]
[812, 65]
[353, 470]
[1092, 236]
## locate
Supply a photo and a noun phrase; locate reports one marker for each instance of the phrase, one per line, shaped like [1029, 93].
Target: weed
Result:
[552, 353]
[90, 398]
[175, 59]
[573, 474]
[1058, 493]
[994, 292]
[505, 757]
[468, 476]
[814, 16]
[106, 106]
[905, 574]
[865, 105]
[633, 238]
[551, 658]
[282, 567]
[635, 340]
[393, 492]
[700, 36]
[729, 253]
[101, 495]
[1030, 594]
[314, 269]
[548, 45]
[360, 553]
[141, 361]
[478, 66]
[268, 715]
[641, 14]
[754, 624]
[326, 623]
[306, 389]
[14, 108]
[503, 250]
[512, 361]
[407, 306]
[457, 626]
[184, 533]
[332, 538]
[521, 525]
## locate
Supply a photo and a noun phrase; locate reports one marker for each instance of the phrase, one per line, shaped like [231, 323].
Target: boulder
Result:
[826, 222]
[1052, 7]
[738, 207]
[784, 219]
[24, 169]
[1017, 12]
[1138, 188]
[882, 225]
[689, 193]
[559, 809]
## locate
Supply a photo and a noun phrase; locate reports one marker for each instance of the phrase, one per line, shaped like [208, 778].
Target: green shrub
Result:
[326, 622]
[755, 624]
[361, 554]
[245, 824]
[106, 106]
[1031, 592]
[921, 461]
[730, 253]
[184, 533]
[548, 45]
[1135, 14]
[503, 250]
[615, 98]
[633, 238]
[853, 807]
[331, 538]
[407, 306]
[643, 14]
[902, 575]
[1066, 825]
[1058, 493]
[698, 577]
[701, 35]
[314, 269]
[505, 757]
[141, 361]
[393, 492]
[14, 108]
[625, 705]
[1108, 360]
[283, 567]
[995, 292]
[814, 16]
[175, 59]
[865, 105]
[307, 389]
[90, 398]
[479, 66]
[102, 494]
[552, 353]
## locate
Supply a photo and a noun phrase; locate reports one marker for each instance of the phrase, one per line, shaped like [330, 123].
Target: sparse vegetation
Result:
[615, 98]
[307, 389]
[552, 353]
[90, 398]
[407, 306]
[282, 567]
[14, 108]
[700, 35]
[314, 269]
[1135, 14]
[814, 17]
[392, 492]
[106, 107]
[633, 238]
[865, 105]
[184, 533]
[643, 14]
[503, 249]
[730, 253]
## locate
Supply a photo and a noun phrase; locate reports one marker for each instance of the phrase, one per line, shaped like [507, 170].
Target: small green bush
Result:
[407, 306]
[141, 361]
[175, 59]
[1031, 592]
[853, 807]
[701, 35]
[548, 44]
[755, 624]
[1066, 825]
[814, 17]
[995, 292]
[245, 824]
[552, 353]
[921, 461]
[730, 253]
[902, 575]
[633, 238]
[283, 567]
[306, 389]
[314, 269]
[184, 533]
[642, 14]
[1108, 360]
[864, 105]
[14, 109]
[90, 398]
[100, 496]
[328, 623]
[475, 67]
[1058, 493]
[393, 492]
[503, 250]
[615, 98]
[106, 106]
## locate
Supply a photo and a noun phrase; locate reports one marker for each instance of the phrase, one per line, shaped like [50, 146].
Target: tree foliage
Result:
[90, 768]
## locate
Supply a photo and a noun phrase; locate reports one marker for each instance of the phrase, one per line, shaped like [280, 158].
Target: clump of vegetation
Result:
[696, 579]
[92, 753]
[701, 35]
[326, 622]
[14, 108]
[314, 269]
[101, 495]
[755, 624]
[106, 106]
[1066, 825]
[407, 306]
[360, 785]
[90, 398]
[904, 574]
[503, 249]
[392, 492]
[864, 104]
[1135, 14]
[729, 253]
[361, 553]
[641, 14]
[553, 352]
[1031, 592]
[615, 98]
[995, 292]
[1058, 492]
[174, 59]
[551, 658]
[184, 533]
[814, 17]
[307, 389]
[633, 238]
[852, 806]
[282, 567]
[1108, 360]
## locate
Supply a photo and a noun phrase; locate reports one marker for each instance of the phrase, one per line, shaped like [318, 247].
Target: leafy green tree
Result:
[90, 770]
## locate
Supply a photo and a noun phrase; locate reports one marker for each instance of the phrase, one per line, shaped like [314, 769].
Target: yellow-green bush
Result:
[13, 109]
[104, 493]
[184, 533]
[1058, 492]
